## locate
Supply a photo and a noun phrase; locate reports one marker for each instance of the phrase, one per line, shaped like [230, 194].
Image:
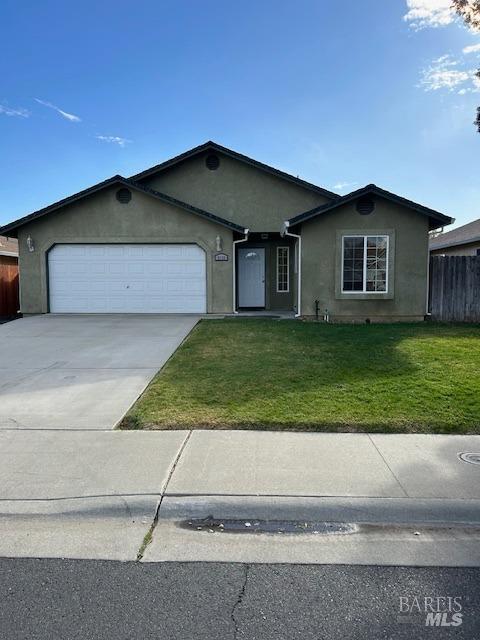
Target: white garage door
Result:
[127, 278]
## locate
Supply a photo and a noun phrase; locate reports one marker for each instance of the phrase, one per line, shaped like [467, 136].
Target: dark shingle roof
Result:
[462, 235]
[435, 216]
[213, 146]
[13, 226]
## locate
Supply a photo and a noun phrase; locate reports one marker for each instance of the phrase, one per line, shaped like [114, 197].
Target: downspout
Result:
[234, 265]
[299, 257]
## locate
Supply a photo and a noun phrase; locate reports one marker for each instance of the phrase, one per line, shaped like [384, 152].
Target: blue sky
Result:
[340, 93]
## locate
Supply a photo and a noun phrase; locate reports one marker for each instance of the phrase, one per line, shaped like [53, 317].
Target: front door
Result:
[251, 277]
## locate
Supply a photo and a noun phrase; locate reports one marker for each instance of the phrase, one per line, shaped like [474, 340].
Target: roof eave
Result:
[16, 224]
[349, 197]
[457, 243]
[117, 179]
[188, 207]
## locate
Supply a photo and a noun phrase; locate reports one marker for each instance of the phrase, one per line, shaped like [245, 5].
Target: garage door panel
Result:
[63, 251]
[97, 268]
[127, 279]
[97, 251]
[80, 289]
[136, 268]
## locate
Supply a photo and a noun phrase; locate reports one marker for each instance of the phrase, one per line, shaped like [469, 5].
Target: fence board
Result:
[454, 292]
[9, 302]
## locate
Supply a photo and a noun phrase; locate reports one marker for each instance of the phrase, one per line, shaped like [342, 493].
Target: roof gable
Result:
[213, 146]
[117, 179]
[436, 217]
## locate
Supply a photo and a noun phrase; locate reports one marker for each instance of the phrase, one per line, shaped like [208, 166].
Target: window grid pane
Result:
[353, 263]
[282, 269]
[365, 264]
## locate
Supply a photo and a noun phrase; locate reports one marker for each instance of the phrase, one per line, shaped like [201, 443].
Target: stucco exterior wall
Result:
[461, 250]
[101, 218]
[236, 191]
[321, 263]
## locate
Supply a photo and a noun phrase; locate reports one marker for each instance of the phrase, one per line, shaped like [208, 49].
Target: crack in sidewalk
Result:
[387, 465]
[149, 535]
[238, 602]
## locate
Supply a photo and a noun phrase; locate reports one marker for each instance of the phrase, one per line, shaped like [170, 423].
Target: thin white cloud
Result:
[68, 116]
[473, 48]
[475, 88]
[429, 13]
[443, 73]
[114, 139]
[9, 111]
[344, 185]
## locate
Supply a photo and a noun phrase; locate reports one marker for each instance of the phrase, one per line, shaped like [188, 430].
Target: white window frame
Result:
[287, 290]
[365, 238]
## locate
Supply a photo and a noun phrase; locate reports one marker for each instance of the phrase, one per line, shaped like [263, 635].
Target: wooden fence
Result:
[455, 288]
[9, 302]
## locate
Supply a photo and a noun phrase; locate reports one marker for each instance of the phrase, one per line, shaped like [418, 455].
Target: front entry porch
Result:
[267, 315]
[265, 274]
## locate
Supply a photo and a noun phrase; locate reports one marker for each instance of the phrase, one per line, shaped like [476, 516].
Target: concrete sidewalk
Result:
[83, 494]
[408, 499]
[326, 464]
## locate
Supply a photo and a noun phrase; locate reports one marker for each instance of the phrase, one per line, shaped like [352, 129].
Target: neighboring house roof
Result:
[465, 234]
[213, 146]
[371, 189]
[8, 247]
[13, 226]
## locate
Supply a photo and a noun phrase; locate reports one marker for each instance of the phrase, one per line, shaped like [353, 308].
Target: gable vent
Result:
[124, 196]
[365, 206]
[212, 162]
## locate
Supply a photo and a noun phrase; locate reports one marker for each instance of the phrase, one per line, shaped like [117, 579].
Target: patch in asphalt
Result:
[299, 527]
[214, 525]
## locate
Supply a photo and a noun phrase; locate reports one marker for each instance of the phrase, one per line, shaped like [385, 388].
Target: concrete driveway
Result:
[81, 372]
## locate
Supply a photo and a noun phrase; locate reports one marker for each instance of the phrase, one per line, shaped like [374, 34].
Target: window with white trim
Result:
[283, 280]
[365, 264]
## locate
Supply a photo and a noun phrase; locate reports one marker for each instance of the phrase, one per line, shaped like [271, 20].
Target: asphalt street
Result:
[69, 599]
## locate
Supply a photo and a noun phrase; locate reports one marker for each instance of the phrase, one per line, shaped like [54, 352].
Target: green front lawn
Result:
[268, 374]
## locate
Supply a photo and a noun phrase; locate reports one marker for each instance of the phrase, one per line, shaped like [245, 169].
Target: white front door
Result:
[251, 277]
[127, 278]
